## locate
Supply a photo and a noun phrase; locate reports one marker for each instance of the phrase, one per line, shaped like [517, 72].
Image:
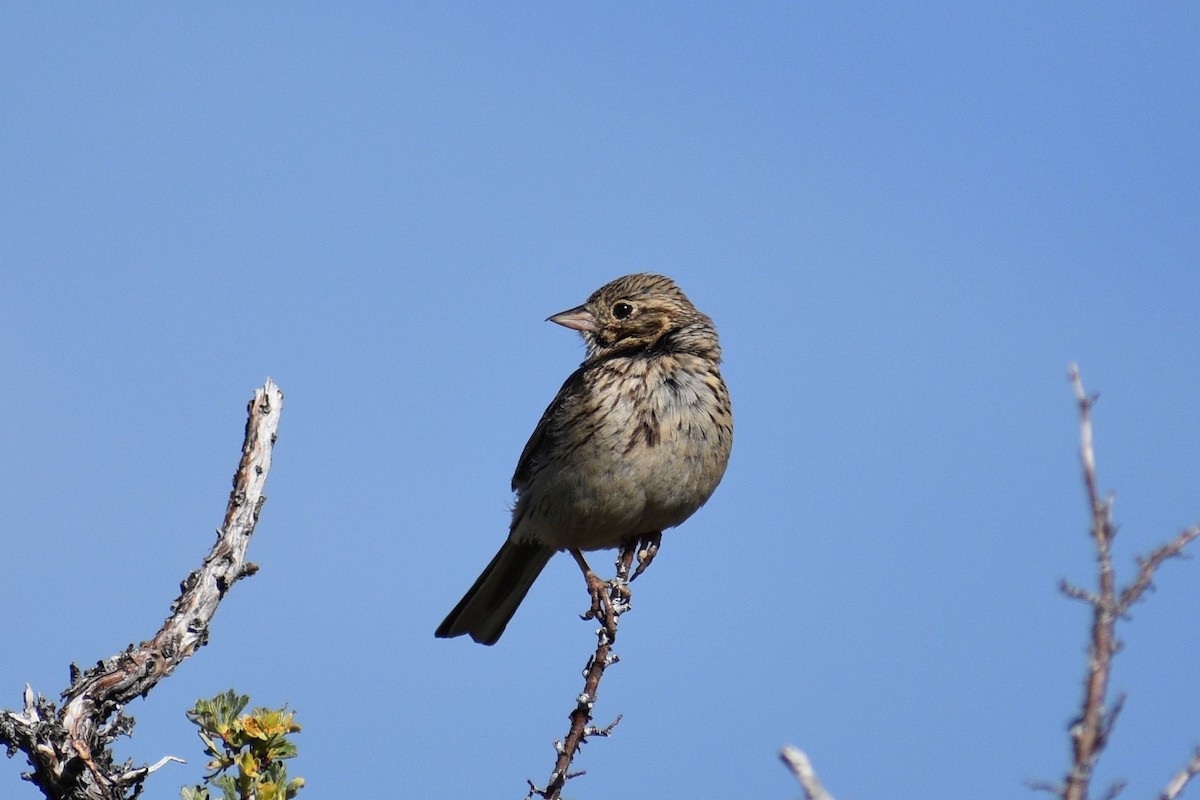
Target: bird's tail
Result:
[487, 606]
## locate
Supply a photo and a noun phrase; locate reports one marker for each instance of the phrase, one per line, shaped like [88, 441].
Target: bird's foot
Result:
[646, 547]
[603, 608]
[610, 599]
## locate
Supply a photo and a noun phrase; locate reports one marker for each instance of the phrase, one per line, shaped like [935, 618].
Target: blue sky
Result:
[906, 220]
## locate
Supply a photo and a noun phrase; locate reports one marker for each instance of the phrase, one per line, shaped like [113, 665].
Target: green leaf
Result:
[256, 743]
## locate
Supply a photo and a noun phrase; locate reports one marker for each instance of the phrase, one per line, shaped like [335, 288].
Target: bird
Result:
[635, 441]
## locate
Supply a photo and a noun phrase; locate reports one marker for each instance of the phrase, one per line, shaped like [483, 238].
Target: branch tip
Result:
[802, 769]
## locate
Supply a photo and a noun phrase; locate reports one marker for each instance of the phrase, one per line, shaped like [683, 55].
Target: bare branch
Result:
[618, 602]
[1149, 565]
[1087, 455]
[1045, 786]
[1181, 779]
[1088, 733]
[1077, 593]
[1091, 731]
[806, 776]
[141, 772]
[70, 750]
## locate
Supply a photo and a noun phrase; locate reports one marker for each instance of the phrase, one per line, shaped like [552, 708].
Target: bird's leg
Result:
[620, 584]
[602, 607]
[625, 557]
[647, 548]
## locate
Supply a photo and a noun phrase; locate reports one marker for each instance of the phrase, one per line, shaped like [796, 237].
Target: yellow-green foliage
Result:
[256, 744]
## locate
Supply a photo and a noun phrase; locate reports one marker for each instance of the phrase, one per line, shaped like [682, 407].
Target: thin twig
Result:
[70, 750]
[1149, 565]
[619, 598]
[1088, 733]
[1092, 729]
[806, 776]
[1182, 778]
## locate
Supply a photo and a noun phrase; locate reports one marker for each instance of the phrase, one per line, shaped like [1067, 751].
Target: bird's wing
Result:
[543, 435]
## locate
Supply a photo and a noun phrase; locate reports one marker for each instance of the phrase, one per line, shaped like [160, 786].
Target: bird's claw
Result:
[647, 549]
[603, 607]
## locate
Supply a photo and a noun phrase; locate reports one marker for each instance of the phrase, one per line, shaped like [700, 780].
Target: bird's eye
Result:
[622, 310]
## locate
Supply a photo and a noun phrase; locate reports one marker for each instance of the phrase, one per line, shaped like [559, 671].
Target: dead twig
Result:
[1182, 778]
[797, 761]
[618, 602]
[1091, 730]
[69, 750]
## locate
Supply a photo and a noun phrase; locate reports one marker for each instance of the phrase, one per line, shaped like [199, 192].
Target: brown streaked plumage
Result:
[635, 441]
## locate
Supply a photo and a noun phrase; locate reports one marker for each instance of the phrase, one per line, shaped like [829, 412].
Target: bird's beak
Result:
[578, 318]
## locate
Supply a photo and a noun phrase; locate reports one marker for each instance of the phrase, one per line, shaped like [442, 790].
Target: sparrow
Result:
[635, 441]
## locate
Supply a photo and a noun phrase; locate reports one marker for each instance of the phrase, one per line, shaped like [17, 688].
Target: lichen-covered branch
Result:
[69, 750]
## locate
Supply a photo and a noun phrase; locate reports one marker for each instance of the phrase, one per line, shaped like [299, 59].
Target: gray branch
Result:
[797, 761]
[70, 750]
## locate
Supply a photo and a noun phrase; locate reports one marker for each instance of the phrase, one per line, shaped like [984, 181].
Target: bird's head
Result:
[636, 312]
